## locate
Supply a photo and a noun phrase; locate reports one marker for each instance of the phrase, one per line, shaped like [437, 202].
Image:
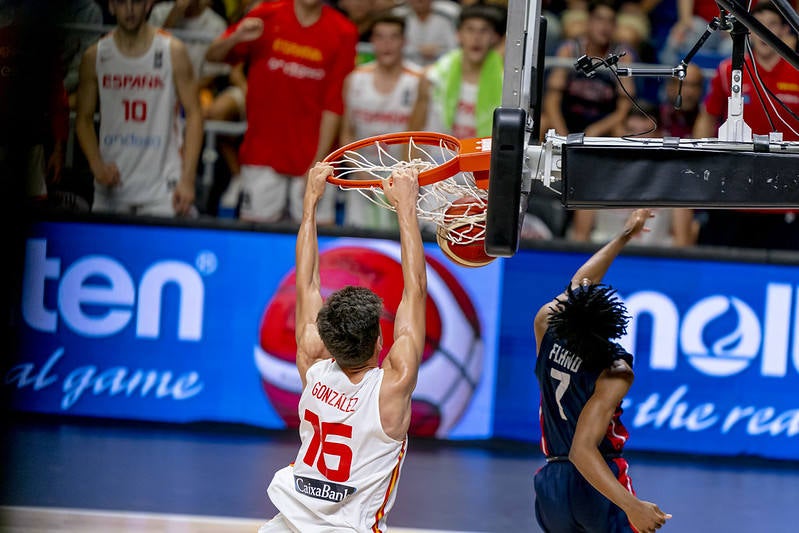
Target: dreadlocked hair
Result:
[587, 319]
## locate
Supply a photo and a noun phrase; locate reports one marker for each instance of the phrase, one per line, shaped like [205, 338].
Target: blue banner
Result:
[185, 324]
[193, 324]
[716, 348]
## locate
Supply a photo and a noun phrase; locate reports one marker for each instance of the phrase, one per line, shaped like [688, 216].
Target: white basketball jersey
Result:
[465, 124]
[138, 122]
[346, 472]
[373, 112]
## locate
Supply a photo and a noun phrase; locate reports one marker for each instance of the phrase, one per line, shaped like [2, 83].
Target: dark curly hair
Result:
[587, 320]
[349, 324]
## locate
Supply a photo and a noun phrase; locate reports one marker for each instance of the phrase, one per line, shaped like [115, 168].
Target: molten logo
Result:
[103, 285]
[730, 353]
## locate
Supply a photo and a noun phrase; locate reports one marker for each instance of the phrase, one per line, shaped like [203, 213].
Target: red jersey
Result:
[782, 80]
[707, 9]
[294, 74]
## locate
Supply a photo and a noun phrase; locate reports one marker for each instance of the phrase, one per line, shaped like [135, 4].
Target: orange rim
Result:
[478, 154]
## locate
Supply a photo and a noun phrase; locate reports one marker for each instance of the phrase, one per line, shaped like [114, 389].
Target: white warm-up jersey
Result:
[346, 472]
[375, 113]
[139, 129]
[371, 113]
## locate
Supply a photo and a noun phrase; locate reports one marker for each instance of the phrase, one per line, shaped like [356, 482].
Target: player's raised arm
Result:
[597, 265]
[246, 30]
[401, 365]
[309, 297]
[593, 270]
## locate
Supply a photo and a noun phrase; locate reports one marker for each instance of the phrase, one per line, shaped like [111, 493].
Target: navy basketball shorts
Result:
[565, 502]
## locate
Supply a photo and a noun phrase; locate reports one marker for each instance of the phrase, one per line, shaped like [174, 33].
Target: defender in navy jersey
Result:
[583, 376]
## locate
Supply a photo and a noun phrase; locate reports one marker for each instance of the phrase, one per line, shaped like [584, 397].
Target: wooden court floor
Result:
[45, 519]
[75, 475]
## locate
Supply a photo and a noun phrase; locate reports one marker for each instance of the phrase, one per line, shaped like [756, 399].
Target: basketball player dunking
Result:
[354, 412]
[140, 163]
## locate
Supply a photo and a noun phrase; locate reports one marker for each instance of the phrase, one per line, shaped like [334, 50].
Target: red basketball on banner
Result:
[452, 358]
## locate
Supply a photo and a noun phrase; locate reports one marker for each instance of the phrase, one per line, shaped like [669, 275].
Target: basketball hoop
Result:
[451, 171]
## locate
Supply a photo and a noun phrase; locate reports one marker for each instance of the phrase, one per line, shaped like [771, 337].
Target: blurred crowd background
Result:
[363, 67]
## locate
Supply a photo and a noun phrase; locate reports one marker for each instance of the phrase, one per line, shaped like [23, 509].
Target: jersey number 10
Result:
[135, 110]
[320, 447]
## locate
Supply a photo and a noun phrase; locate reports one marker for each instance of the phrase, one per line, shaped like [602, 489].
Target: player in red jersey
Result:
[298, 54]
[777, 74]
[769, 229]
[583, 376]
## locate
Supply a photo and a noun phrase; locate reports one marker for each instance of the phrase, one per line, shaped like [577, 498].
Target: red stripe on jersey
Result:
[624, 479]
[544, 447]
[392, 484]
[617, 434]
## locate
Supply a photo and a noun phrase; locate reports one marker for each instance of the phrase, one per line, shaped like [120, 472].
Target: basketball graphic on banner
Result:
[453, 355]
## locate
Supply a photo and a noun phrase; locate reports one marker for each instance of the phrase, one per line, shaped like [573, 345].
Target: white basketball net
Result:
[434, 200]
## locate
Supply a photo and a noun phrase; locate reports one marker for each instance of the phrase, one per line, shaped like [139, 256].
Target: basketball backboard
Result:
[516, 125]
[761, 171]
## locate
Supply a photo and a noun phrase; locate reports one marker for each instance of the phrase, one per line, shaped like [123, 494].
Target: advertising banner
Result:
[192, 324]
[716, 347]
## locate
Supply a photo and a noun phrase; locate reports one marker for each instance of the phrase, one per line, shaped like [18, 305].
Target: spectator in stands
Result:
[429, 34]
[379, 98]
[139, 75]
[693, 17]
[462, 88]
[632, 28]
[574, 19]
[360, 13]
[298, 54]
[777, 81]
[449, 8]
[679, 121]
[634, 32]
[594, 105]
[229, 105]
[203, 24]
[671, 227]
[776, 75]
[662, 16]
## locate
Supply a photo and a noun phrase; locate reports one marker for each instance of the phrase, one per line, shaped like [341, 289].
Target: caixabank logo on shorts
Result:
[720, 335]
[452, 361]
